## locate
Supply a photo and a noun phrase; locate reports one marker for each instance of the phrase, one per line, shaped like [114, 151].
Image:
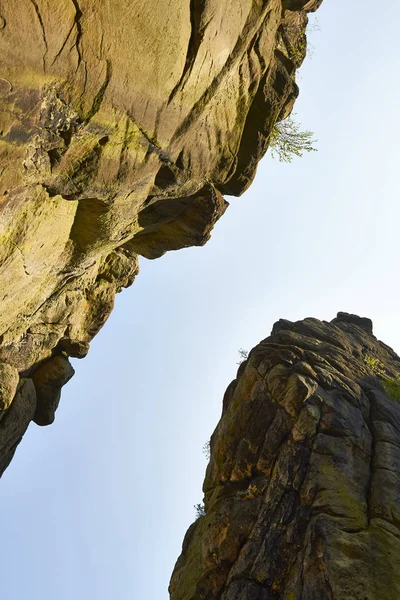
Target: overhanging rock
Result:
[122, 124]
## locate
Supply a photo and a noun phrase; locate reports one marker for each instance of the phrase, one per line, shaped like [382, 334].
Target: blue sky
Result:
[96, 506]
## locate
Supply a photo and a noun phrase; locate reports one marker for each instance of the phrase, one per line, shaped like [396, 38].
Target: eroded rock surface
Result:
[302, 491]
[122, 124]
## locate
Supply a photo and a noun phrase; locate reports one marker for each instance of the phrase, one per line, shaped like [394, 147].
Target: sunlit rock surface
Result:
[302, 491]
[122, 124]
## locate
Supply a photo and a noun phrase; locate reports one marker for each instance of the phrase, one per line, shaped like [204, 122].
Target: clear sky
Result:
[96, 506]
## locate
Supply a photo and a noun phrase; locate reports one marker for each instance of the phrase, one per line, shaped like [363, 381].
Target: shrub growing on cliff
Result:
[244, 355]
[375, 365]
[207, 449]
[287, 140]
[200, 510]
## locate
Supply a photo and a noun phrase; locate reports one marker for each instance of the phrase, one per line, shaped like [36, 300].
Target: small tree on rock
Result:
[287, 140]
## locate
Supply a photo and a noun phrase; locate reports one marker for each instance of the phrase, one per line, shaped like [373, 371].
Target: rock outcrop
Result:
[122, 124]
[302, 491]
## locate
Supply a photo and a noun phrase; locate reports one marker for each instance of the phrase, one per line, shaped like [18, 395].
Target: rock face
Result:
[302, 491]
[122, 124]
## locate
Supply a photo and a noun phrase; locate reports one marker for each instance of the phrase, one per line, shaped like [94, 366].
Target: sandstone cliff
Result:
[122, 124]
[301, 492]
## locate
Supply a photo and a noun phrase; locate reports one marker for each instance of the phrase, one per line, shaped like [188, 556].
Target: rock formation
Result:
[122, 124]
[302, 491]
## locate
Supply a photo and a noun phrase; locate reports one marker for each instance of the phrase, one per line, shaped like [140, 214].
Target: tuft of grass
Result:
[392, 388]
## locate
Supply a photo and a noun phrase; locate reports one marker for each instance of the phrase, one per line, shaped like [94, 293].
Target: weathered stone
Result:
[9, 379]
[343, 317]
[48, 380]
[15, 421]
[302, 491]
[75, 349]
[306, 5]
[122, 124]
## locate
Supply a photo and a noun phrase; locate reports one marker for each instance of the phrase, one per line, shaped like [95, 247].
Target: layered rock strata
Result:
[302, 491]
[122, 124]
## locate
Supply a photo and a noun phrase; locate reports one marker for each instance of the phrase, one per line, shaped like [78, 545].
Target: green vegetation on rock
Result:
[375, 365]
[244, 355]
[207, 449]
[287, 141]
[200, 510]
[392, 388]
[391, 385]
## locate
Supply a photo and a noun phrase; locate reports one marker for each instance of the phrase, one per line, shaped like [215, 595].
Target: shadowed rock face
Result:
[302, 491]
[122, 124]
